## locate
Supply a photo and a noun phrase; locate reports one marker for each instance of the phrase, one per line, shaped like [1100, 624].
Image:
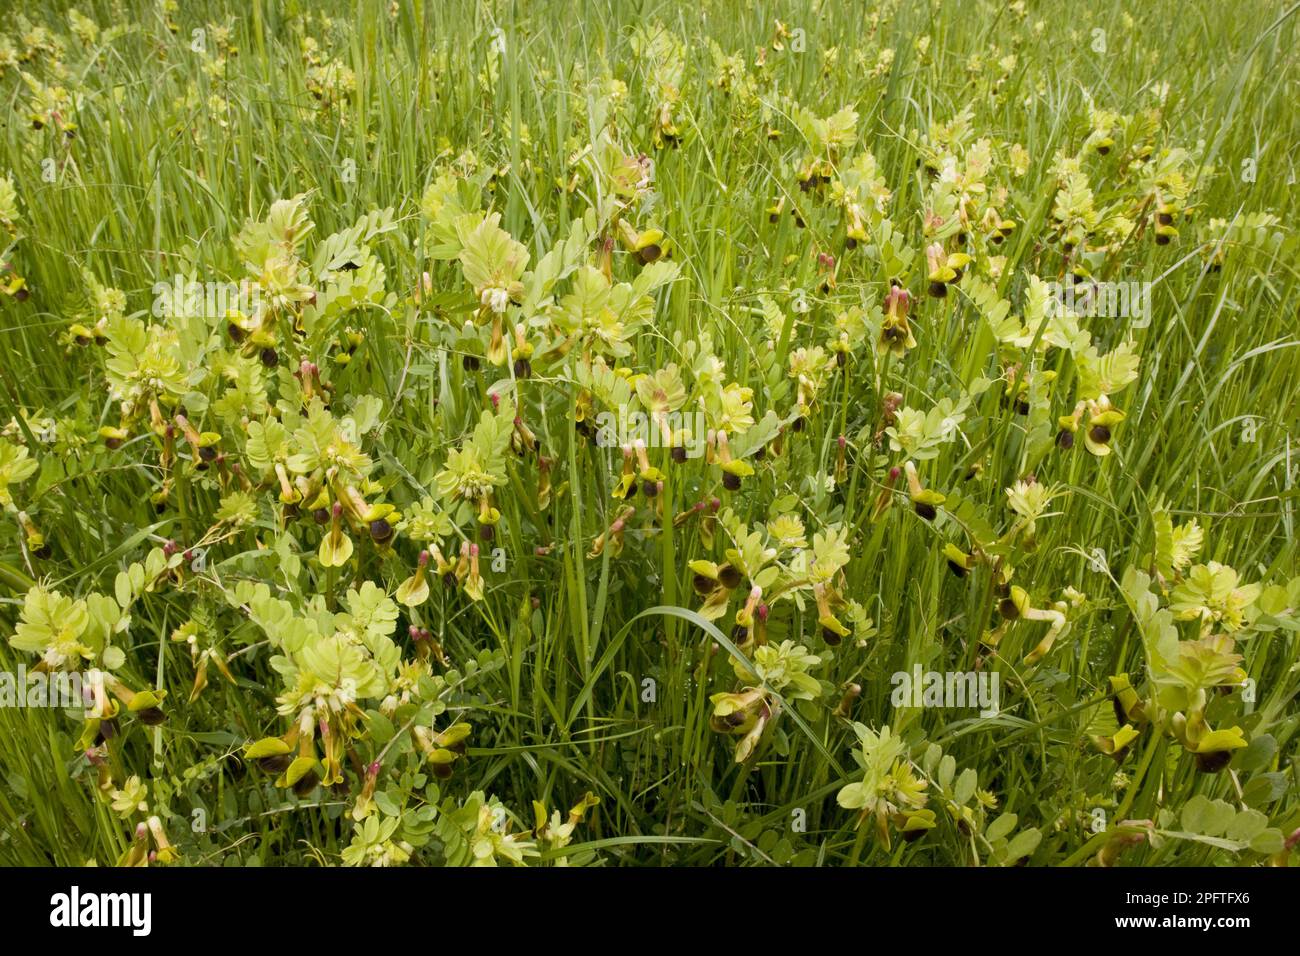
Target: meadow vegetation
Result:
[542, 433]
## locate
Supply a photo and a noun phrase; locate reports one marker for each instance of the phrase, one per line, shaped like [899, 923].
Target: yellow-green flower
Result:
[895, 330]
[1099, 431]
[414, 591]
[335, 546]
[924, 501]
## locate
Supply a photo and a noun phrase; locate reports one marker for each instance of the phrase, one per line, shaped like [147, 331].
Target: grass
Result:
[593, 669]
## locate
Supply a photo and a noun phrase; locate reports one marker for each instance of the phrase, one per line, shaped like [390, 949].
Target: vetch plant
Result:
[687, 422]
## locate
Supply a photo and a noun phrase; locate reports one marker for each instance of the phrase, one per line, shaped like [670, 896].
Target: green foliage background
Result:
[161, 150]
